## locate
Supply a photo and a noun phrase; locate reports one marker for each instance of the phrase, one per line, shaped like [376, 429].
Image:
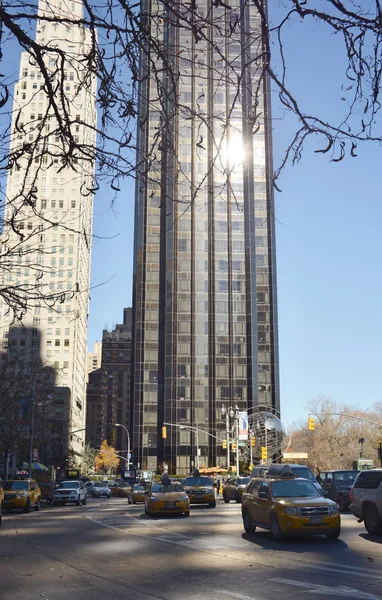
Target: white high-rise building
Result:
[52, 228]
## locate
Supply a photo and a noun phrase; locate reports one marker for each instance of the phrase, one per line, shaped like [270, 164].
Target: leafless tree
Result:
[125, 48]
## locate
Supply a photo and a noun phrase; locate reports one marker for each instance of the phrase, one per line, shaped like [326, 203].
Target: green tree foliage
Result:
[88, 460]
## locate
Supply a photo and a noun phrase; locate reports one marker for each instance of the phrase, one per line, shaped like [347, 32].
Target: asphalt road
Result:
[109, 549]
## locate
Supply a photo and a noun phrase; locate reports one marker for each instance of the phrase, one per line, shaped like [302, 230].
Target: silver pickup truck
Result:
[70, 491]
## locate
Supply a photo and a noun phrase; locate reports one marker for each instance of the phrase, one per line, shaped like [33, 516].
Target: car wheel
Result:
[187, 514]
[341, 502]
[225, 498]
[84, 501]
[238, 498]
[27, 507]
[1, 516]
[373, 521]
[333, 535]
[93, 494]
[78, 501]
[247, 522]
[134, 502]
[276, 530]
[212, 504]
[38, 505]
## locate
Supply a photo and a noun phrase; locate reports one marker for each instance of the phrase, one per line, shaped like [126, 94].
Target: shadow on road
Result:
[371, 538]
[294, 544]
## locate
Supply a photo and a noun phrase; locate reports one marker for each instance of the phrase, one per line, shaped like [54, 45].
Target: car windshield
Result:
[242, 480]
[165, 489]
[346, 476]
[139, 488]
[15, 485]
[294, 489]
[204, 481]
[99, 484]
[304, 472]
[69, 484]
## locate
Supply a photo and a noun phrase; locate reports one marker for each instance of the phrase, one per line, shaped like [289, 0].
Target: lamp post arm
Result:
[350, 417]
[191, 428]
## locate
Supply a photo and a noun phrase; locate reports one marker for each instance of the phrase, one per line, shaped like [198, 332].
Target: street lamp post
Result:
[128, 443]
[231, 413]
[44, 403]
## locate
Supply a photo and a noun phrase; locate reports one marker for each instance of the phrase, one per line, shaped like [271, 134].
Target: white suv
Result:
[366, 500]
[70, 491]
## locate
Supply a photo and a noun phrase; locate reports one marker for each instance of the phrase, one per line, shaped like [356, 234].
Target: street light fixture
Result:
[128, 443]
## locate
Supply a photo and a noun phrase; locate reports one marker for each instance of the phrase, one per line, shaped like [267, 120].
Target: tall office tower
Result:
[49, 230]
[205, 316]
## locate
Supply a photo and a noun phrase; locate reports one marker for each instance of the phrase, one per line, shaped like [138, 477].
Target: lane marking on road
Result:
[210, 545]
[342, 590]
[236, 595]
[330, 566]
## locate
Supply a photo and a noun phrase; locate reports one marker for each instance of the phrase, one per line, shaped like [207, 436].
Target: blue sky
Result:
[328, 247]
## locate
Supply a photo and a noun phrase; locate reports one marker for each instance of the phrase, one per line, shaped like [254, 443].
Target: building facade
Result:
[116, 382]
[95, 357]
[204, 295]
[50, 234]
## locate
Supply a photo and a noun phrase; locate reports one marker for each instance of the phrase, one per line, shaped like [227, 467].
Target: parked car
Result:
[89, 488]
[21, 493]
[233, 488]
[70, 491]
[288, 506]
[338, 484]
[100, 488]
[366, 500]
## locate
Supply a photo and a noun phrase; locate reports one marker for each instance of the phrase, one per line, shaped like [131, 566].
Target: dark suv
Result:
[366, 500]
[338, 485]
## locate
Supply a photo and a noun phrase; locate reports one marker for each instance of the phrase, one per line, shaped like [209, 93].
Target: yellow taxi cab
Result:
[138, 494]
[233, 488]
[289, 507]
[200, 490]
[167, 497]
[125, 491]
[21, 493]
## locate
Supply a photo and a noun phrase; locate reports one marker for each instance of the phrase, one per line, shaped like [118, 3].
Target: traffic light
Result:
[264, 453]
[311, 424]
[253, 441]
[233, 446]
[224, 444]
[164, 432]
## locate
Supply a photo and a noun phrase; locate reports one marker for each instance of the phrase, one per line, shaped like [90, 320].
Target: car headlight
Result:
[154, 499]
[291, 511]
[334, 510]
[184, 498]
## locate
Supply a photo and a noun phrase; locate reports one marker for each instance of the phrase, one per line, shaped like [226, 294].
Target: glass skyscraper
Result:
[205, 317]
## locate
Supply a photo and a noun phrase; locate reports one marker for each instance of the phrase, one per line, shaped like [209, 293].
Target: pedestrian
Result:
[218, 487]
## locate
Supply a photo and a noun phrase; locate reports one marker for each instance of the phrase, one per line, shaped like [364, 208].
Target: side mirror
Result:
[325, 493]
[264, 495]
